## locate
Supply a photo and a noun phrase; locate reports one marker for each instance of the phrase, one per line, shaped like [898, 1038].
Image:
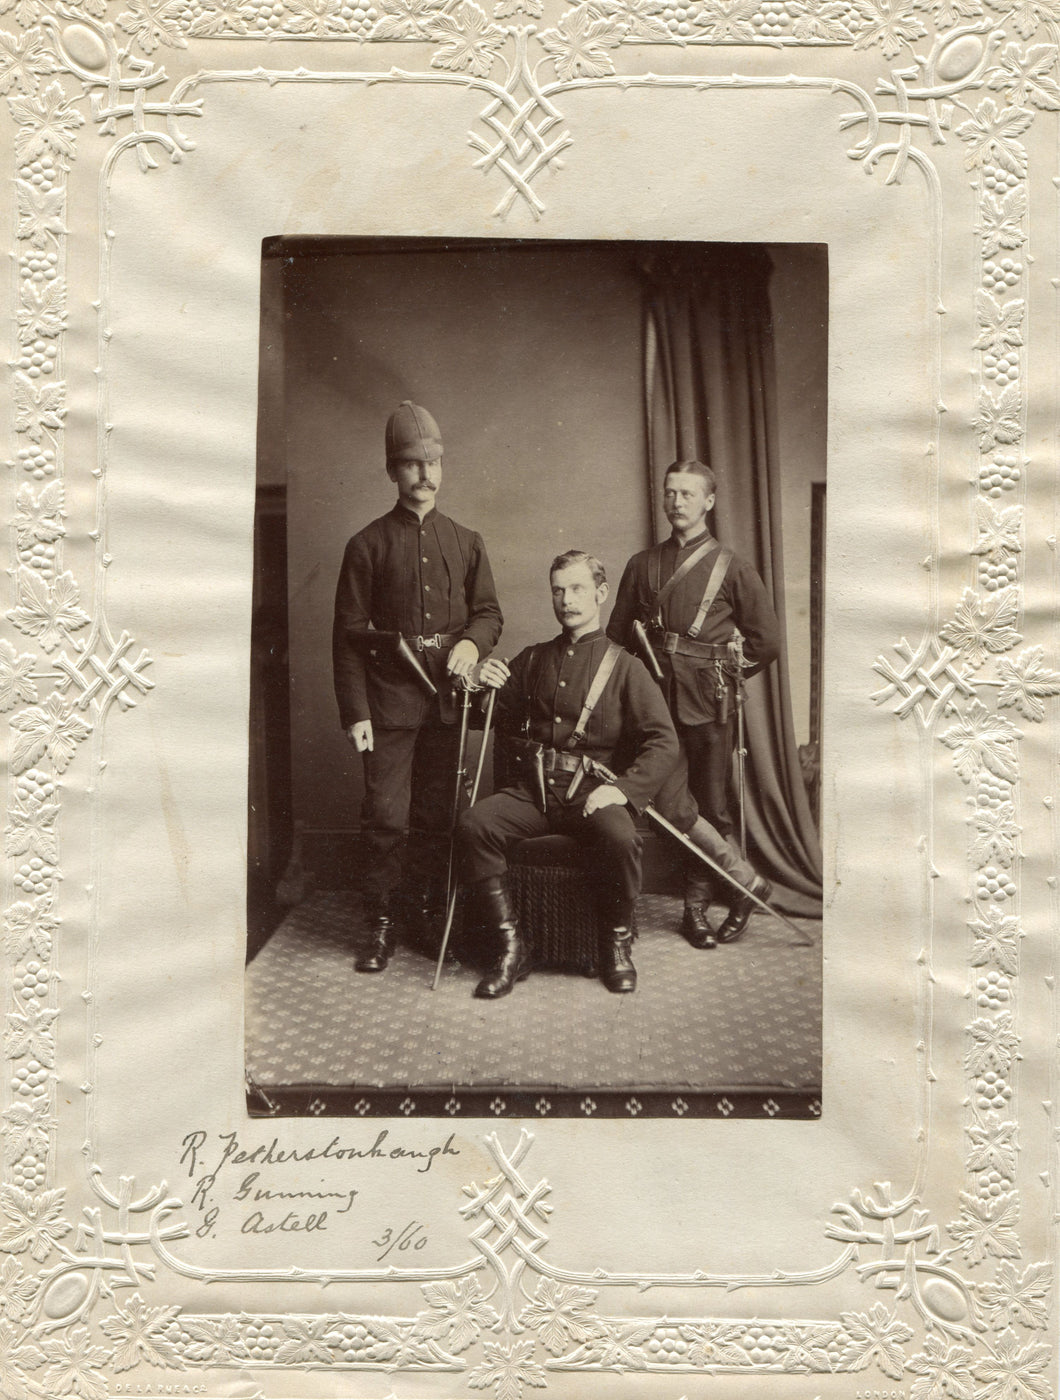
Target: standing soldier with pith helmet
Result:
[415, 609]
[703, 617]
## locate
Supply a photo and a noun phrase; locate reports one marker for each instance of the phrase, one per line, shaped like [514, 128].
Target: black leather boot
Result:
[741, 909]
[377, 945]
[617, 972]
[512, 958]
[695, 926]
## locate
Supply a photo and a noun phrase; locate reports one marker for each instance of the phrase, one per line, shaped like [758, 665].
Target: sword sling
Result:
[741, 745]
[451, 907]
[461, 758]
[599, 771]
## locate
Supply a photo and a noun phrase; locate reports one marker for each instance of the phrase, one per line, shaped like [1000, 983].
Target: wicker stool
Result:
[554, 905]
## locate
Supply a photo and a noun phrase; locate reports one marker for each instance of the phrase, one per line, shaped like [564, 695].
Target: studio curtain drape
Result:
[710, 393]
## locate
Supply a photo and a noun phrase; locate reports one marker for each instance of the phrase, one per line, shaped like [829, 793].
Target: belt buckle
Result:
[434, 642]
[669, 645]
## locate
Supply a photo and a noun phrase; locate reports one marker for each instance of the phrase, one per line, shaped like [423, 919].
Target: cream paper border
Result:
[926, 1271]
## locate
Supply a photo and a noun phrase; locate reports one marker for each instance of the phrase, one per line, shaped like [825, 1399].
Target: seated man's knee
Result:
[614, 828]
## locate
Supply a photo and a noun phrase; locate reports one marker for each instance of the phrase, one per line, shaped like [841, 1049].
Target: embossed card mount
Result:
[900, 1244]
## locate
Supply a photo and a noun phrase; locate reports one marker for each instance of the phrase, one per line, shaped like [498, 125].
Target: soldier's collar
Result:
[410, 517]
[566, 641]
[691, 544]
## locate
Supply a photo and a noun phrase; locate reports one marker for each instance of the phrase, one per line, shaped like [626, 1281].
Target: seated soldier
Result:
[577, 696]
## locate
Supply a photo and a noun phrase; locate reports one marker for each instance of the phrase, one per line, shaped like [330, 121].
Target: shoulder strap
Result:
[608, 662]
[679, 573]
[654, 568]
[533, 670]
[714, 582]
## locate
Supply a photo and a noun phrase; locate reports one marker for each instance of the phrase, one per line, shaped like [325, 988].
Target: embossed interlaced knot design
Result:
[927, 682]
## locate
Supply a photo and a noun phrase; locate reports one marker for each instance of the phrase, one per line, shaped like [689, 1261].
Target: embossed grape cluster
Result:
[37, 358]
[355, 1339]
[993, 576]
[762, 1344]
[34, 980]
[184, 14]
[261, 1341]
[991, 792]
[42, 558]
[772, 18]
[39, 267]
[999, 475]
[992, 883]
[993, 1184]
[29, 1173]
[38, 461]
[667, 1345]
[39, 172]
[991, 1091]
[1005, 273]
[270, 14]
[29, 1079]
[678, 18]
[1003, 369]
[994, 991]
[361, 18]
[33, 787]
[34, 876]
[994, 178]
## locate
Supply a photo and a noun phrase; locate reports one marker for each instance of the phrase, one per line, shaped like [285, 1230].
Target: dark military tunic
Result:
[420, 578]
[630, 731]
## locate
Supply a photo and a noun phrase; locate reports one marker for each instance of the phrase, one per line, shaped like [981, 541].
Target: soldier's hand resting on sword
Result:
[606, 795]
[493, 673]
[462, 659]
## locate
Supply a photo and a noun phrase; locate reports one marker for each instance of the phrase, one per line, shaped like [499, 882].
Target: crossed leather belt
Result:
[672, 642]
[552, 760]
[439, 641]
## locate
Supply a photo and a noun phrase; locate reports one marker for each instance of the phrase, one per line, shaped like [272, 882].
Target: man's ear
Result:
[710, 501]
[602, 591]
[390, 471]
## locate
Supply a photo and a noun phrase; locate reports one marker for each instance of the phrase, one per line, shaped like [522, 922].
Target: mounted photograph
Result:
[537, 679]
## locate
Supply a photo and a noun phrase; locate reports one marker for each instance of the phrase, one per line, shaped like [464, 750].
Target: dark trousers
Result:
[612, 846]
[702, 773]
[409, 777]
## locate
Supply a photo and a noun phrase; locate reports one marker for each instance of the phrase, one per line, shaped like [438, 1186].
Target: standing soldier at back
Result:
[702, 607]
[418, 578]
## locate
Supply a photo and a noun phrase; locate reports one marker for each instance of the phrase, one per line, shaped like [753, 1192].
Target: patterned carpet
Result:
[746, 1016]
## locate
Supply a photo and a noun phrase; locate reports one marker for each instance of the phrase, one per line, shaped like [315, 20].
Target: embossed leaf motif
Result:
[38, 407]
[983, 625]
[948, 13]
[806, 1349]
[996, 833]
[830, 22]
[47, 124]
[999, 221]
[217, 1339]
[33, 1222]
[889, 23]
[998, 420]
[154, 22]
[16, 1358]
[137, 1331]
[29, 1126]
[579, 43]
[23, 62]
[42, 313]
[982, 740]
[30, 831]
[559, 1314]
[987, 1227]
[74, 1365]
[1014, 1373]
[876, 1336]
[504, 9]
[617, 1346]
[317, 17]
[509, 1367]
[46, 610]
[217, 18]
[1000, 325]
[1026, 76]
[640, 18]
[40, 518]
[404, 19]
[17, 1289]
[1021, 1298]
[727, 21]
[991, 135]
[942, 1371]
[51, 729]
[458, 1314]
[1026, 681]
[30, 1032]
[469, 39]
[40, 213]
[993, 1044]
[993, 1146]
[16, 684]
[999, 532]
[1027, 15]
[304, 1341]
[29, 928]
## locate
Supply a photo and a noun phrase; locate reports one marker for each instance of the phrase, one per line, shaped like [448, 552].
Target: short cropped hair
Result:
[695, 469]
[579, 556]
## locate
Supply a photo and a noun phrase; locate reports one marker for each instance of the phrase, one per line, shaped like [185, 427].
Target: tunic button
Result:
[426, 588]
[426, 560]
[557, 720]
[570, 651]
[552, 782]
[563, 683]
[427, 617]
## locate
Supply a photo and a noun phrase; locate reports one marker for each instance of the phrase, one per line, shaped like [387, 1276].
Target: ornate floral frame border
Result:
[962, 1311]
